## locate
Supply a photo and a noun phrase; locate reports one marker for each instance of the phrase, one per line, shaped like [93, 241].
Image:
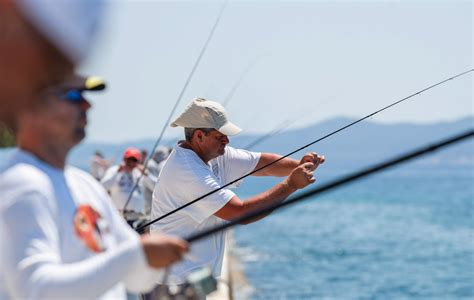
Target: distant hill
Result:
[368, 142]
[364, 143]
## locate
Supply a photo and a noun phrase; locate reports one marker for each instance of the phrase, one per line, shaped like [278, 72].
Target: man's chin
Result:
[80, 134]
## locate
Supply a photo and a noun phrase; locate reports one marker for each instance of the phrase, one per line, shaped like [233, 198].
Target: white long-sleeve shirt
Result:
[61, 238]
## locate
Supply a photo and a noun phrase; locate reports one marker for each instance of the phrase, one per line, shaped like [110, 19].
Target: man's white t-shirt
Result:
[184, 178]
[62, 239]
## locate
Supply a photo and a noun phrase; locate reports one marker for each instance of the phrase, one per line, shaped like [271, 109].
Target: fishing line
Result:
[141, 228]
[277, 129]
[233, 89]
[337, 183]
[188, 80]
[280, 126]
[239, 81]
[268, 135]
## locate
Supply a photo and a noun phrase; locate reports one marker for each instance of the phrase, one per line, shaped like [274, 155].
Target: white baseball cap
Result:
[67, 25]
[202, 113]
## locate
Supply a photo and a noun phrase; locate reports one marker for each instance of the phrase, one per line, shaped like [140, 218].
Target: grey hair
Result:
[189, 132]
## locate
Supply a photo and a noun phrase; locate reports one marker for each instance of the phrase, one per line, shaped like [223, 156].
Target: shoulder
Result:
[82, 178]
[23, 181]
[183, 160]
[152, 164]
[23, 176]
[80, 175]
[183, 167]
[113, 169]
[234, 154]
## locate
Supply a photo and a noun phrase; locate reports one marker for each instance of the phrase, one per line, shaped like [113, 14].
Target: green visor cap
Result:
[83, 83]
[94, 83]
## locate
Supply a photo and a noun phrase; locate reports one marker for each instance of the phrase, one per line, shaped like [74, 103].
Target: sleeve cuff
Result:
[142, 278]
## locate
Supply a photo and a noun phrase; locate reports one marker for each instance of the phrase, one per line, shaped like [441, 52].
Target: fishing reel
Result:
[136, 221]
[198, 284]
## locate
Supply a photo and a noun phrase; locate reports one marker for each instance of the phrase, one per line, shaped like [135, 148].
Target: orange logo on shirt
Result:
[86, 227]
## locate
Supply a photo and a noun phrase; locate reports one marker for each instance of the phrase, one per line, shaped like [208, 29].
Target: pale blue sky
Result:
[312, 59]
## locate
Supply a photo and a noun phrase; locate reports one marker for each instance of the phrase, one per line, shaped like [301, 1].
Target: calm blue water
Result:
[403, 235]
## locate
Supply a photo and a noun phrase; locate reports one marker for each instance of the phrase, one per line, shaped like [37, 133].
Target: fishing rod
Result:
[269, 134]
[235, 86]
[201, 282]
[188, 80]
[277, 129]
[141, 228]
[337, 183]
[239, 81]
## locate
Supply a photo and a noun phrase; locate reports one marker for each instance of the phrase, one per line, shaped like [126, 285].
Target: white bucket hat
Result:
[202, 113]
[68, 25]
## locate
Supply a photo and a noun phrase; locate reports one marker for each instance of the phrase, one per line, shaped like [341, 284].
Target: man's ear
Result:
[199, 135]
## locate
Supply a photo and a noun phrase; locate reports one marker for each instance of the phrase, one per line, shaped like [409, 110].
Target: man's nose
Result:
[225, 140]
[85, 105]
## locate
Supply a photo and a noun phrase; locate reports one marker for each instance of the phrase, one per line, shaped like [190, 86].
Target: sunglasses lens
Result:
[73, 96]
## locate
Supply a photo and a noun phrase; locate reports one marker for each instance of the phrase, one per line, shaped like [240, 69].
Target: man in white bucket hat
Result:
[204, 162]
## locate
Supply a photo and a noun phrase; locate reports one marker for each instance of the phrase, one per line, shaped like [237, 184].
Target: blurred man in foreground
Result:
[65, 239]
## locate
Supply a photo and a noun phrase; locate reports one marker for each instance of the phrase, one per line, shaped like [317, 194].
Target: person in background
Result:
[158, 160]
[154, 167]
[204, 162]
[61, 236]
[99, 165]
[148, 189]
[120, 181]
[144, 154]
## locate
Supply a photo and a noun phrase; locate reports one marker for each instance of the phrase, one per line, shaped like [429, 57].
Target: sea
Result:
[403, 234]
[407, 233]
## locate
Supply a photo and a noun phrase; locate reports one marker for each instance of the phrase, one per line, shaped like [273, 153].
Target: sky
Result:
[305, 61]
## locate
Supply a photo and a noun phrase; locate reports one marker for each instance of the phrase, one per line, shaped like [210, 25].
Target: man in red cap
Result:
[120, 180]
[61, 237]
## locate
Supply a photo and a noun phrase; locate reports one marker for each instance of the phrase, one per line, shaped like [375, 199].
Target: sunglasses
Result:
[73, 96]
[70, 95]
[132, 159]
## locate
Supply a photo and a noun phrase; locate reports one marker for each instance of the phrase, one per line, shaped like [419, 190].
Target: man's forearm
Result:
[40, 273]
[276, 194]
[278, 169]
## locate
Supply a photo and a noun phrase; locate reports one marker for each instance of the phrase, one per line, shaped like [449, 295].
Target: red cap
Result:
[132, 153]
